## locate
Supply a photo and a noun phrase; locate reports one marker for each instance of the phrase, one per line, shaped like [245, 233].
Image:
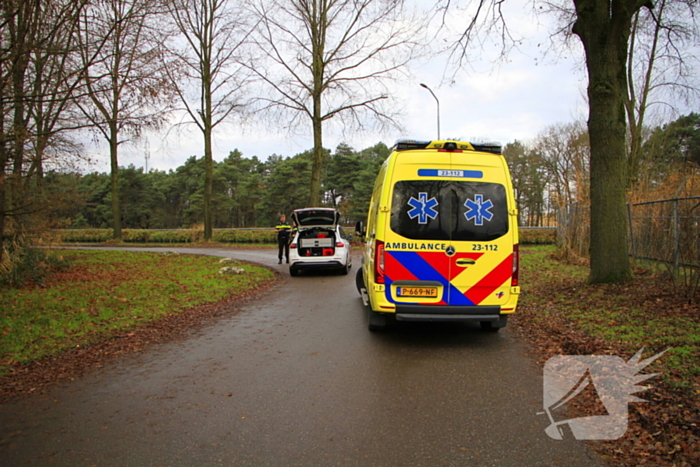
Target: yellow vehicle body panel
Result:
[445, 225]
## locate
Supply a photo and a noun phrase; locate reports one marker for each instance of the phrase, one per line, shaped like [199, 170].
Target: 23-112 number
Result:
[480, 247]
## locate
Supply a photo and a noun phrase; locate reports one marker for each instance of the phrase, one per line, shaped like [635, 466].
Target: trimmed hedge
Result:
[245, 236]
[537, 236]
[136, 236]
[85, 235]
[255, 236]
[166, 236]
[172, 236]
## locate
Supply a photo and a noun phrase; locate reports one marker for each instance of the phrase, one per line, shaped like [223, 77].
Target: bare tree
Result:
[125, 84]
[530, 178]
[211, 35]
[660, 68]
[604, 28]
[54, 81]
[28, 29]
[18, 26]
[330, 59]
[564, 149]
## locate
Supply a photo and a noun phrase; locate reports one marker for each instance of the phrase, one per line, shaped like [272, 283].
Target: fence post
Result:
[560, 227]
[634, 243]
[676, 237]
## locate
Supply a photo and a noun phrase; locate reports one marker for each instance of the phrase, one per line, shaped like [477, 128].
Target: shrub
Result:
[86, 235]
[252, 236]
[136, 236]
[245, 236]
[23, 263]
[175, 236]
[537, 236]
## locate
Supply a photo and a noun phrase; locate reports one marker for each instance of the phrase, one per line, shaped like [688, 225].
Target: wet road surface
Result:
[296, 379]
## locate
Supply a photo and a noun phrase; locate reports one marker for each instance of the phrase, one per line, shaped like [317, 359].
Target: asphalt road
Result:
[296, 379]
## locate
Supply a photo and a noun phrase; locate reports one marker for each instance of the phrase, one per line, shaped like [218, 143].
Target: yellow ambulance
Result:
[441, 240]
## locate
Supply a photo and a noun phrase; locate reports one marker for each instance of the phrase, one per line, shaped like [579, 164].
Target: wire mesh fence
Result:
[666, 231]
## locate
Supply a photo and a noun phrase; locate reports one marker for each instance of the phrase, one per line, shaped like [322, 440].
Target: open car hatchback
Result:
[319, 242]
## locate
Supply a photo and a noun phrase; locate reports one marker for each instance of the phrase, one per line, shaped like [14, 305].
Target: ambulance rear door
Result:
[483, 265]
[453, 228]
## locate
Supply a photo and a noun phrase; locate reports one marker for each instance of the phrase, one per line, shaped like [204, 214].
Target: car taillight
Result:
[293, 245]
[339, 244]
[516, 266]
[379, 262]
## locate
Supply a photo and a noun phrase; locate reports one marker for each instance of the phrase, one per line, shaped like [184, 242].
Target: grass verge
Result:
[561, 314]
[104, 293]
[643, 313]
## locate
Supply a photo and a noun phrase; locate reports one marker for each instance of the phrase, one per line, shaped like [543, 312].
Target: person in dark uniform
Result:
[283, 229]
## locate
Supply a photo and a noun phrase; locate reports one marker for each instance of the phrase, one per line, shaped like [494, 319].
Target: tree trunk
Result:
[114, 179]
[208, 181]
[317, 124]
[207, 132]
[604, 30]
[314, 195]
[636, 110]
[3, 196]
[318, 41]
[15, 201]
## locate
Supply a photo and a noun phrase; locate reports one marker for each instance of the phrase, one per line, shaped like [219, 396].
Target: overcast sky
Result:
[506, 101]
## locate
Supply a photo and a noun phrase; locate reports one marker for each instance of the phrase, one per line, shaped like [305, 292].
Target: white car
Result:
[319, 242]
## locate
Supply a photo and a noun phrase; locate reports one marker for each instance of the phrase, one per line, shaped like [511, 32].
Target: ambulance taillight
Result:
[516, 266]
[379, 262]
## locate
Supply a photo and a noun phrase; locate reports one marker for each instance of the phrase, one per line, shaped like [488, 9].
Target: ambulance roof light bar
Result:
[411, 144]
[493, 147]
[406, 144]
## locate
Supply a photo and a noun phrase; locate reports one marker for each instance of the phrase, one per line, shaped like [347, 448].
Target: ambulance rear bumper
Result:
[447, 313]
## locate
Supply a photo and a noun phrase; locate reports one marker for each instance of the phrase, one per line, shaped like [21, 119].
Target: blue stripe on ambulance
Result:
[423, 271]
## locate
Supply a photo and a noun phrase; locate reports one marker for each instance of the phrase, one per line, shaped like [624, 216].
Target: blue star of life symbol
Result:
[478, 210]
[422, 208]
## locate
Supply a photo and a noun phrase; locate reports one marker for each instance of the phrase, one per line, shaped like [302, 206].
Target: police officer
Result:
[283, 229]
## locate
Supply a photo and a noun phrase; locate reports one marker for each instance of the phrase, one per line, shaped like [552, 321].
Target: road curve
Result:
[296, 379]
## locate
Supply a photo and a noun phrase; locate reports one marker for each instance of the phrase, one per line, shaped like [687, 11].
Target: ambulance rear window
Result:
[449, 210]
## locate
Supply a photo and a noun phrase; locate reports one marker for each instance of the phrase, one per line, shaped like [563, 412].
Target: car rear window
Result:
[449, 210]
[315, 217]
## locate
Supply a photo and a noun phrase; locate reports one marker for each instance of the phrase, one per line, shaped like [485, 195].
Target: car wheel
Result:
[293, 272]
[359, 281]
[376, 322]
[344, 270]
